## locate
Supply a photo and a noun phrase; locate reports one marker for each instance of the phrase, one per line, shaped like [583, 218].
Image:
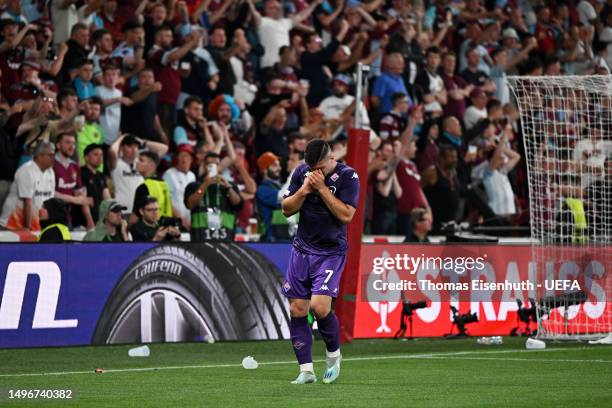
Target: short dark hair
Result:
[96, 100]
[294, 136]
[85, 61]
[65, 93]
[63, 135]
[445, 149]
[396, 97]
[192, 99]
[432, 50]
[151, 155]
[282, 49]
[78, 27]
[211, 154]
[493, 104]
[98, 34]
[316, 150]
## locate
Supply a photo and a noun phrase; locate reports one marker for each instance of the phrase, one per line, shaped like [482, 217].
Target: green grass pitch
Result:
[375, 373]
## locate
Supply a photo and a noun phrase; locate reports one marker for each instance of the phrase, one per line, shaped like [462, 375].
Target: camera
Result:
[170, 222]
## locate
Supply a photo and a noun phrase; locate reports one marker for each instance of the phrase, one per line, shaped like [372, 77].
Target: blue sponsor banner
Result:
[56, 294]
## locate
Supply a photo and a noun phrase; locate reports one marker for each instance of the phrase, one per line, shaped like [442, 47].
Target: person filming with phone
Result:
[214, 203]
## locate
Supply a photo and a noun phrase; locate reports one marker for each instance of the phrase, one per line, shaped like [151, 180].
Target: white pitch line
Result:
[448, 355]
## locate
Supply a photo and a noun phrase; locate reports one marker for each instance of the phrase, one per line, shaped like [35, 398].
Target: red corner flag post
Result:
[346, 304]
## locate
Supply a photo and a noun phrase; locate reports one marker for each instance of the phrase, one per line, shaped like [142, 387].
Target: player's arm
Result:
[293, 203]
[342, 211]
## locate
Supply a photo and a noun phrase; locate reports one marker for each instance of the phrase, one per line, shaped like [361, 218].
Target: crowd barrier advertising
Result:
[393, 274]
[82, 294]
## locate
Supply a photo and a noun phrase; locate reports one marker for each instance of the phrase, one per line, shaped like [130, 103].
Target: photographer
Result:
[214, 204]
[151, 228]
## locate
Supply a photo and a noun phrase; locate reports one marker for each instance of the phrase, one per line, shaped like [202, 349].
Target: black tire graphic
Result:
[233, 289]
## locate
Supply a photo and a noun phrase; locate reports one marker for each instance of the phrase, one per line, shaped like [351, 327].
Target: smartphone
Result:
[211, 169]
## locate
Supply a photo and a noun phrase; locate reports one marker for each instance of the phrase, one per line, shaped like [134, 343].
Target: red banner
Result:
[483, 279]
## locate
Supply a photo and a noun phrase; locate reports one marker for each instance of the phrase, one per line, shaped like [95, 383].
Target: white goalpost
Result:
[567, 134]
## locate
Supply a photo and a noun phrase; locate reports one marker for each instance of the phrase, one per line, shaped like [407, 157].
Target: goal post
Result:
[566, 126]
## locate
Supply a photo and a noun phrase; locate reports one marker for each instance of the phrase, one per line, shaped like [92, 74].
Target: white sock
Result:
[307, 367]
[332, 354]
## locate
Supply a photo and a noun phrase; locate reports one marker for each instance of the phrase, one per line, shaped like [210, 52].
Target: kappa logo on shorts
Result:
[286, 286]
[324, 287]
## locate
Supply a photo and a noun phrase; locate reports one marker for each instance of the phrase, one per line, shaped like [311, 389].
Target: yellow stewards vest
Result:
[159, 189]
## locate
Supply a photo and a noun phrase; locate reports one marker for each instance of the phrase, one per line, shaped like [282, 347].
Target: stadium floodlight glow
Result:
[408, 309]
[461, 320]
[525, 315]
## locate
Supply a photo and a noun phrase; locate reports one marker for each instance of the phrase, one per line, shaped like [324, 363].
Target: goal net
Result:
[567, 134]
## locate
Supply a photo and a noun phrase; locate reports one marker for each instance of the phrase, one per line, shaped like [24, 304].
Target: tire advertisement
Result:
[82, 294]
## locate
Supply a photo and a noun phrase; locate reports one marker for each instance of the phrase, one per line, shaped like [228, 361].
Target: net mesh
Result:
[566, 128]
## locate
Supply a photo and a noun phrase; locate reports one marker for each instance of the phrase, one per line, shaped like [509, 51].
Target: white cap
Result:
[606, 35]
[510, 33]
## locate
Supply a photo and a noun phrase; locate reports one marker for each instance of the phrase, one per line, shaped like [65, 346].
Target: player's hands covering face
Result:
[317, 180]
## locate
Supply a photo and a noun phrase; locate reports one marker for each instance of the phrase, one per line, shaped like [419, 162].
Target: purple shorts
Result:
[309, 275]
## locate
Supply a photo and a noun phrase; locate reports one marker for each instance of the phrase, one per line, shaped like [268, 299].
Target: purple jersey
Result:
[319, 231]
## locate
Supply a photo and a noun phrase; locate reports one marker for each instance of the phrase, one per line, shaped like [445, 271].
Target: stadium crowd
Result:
[141, 119]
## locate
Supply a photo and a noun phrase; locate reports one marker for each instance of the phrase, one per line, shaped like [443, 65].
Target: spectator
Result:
[34, 183]
[125, 177]
[272, 133]
[177, 178]
[386, 192]
[111, 227]
[152, 186]
[221, 55]
[340, 106]
[427, 146]
[441, 187]
[78, 51]
[473, 75]
[68, 181]
[213, 203]
[389, 83]
[202, 70]
[393, 123]
[430, 84]
[275, 223]
[409, 180]
[315, 59]
[93, 180]
[141, 118]
[91, 132]
[273, 29]
[420, 226]
[130, 53]
[54, 221]
[499, 191]
[477, 111]
[192, 127]
[165, 63]
[83, 83]
[458, 90]
[103, 42]
[148, 228]
[112, 99]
